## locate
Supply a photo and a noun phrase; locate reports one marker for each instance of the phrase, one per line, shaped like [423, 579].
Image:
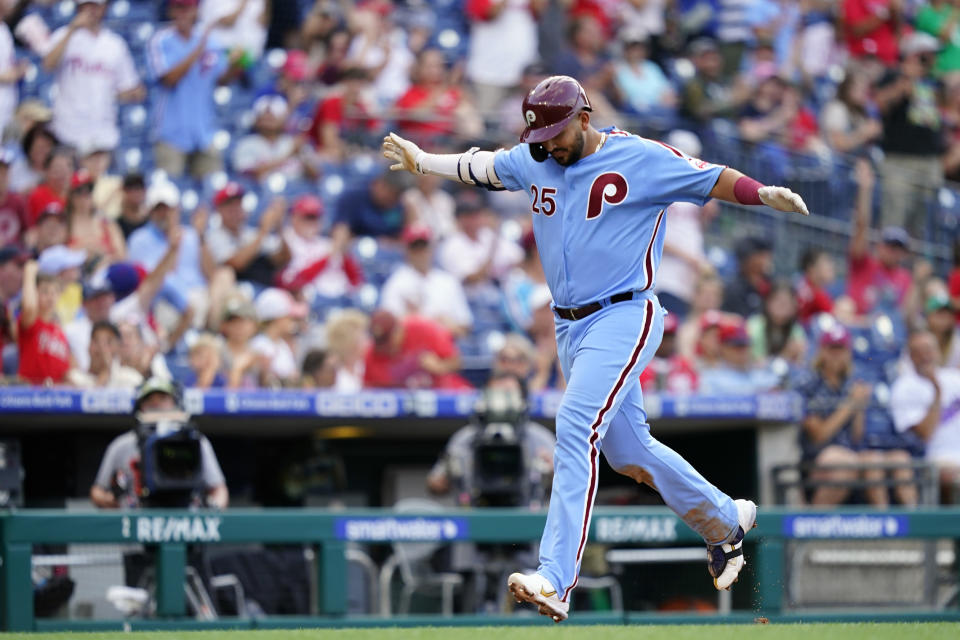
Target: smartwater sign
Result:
[838, 526]
[636, 529]
[401, 529]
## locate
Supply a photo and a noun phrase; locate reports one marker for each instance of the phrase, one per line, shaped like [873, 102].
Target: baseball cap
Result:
[670, 323]
[918, 42]
[835, 336]
[81, 178]
[702, 45]
[239, 308]
[751, 245]
[540, 297]
[417, 233]
[734, 336]
[633, 35]
[275, 104]
[273, 303]
[134, 181]
[162, 192]
[96, 285]
[52, 209]
[307, 206]
[125, 277]
[382, 324]
[230, 191]
[155, 384]
[938, 302]
[711, 320]
[895, 236]
[13, 252]
[295, 66]
[60, 258]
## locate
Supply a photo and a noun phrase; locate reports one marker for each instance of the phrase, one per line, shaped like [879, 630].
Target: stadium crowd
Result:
[191, 189]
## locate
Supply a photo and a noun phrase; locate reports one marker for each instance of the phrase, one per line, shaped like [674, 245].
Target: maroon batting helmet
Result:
[550, 106]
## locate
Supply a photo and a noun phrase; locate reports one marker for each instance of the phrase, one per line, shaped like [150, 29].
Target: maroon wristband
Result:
[746, 191]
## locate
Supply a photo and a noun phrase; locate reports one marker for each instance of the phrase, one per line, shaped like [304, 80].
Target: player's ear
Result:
[584, 120]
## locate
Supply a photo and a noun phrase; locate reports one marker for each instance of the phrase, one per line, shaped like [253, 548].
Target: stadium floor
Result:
[840, 631]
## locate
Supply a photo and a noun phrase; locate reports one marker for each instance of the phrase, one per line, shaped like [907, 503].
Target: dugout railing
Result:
[329, 532]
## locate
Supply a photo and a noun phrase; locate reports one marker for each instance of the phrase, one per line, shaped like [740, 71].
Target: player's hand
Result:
[401, 152]
[782, 199]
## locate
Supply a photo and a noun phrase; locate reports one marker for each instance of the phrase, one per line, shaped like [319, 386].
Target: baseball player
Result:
[598, 199]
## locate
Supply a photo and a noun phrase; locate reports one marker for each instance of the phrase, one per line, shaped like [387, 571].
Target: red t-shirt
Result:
[811, 300]
[953, 284]
[348, 118]
[441, 119]
[675, 375]
[39, 199]
[402, 369]
[13, 220]
[869, 283]
[44, 352]
[882, 41]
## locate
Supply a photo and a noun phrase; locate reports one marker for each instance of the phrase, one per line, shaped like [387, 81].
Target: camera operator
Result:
[502, 458]
[121, 478]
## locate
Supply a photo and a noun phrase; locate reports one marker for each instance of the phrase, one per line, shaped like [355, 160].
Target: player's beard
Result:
[574, 153]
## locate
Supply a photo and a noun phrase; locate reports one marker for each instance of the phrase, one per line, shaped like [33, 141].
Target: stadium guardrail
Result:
[331, 531]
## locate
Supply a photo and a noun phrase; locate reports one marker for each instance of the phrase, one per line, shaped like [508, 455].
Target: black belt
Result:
[579, 313]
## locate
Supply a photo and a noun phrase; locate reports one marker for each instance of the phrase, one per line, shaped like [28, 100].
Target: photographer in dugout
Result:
[123, 480]
[501, 459]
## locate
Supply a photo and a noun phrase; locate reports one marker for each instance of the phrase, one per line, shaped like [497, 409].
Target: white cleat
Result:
[536, 589]
[725, 561]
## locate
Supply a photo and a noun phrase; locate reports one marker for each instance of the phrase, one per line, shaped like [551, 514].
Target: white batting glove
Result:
[782, 199]
[403, 153]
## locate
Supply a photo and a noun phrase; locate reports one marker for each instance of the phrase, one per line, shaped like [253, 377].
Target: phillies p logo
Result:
[611, 188]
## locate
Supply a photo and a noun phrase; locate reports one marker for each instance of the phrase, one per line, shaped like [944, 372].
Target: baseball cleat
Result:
[537, 590]
[724, 561]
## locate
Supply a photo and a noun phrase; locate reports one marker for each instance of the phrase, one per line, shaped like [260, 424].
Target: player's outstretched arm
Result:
[733, 186]
[473, 167]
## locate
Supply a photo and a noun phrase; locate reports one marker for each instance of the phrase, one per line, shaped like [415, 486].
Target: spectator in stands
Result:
[503, 40]
[708, 95]
[941, 322]
[924, 401]
[185, 65]
[239, 25]
[105, 370]
[547, 373]
[319, 370]
[12, 258]
[13, 213]
[435, 107]
[744, 295]
[28, 171]
[375, 209]
[640, 83]
[379, 48]
[64, 264]
[669, 371]
[57, 172]
[94, 71]
[914, 136]
[139, 349]
[477, 253]
[777, 332]
[344, 116]
[89, 229]
[939, 19]
[195, 268]
[206, 370]
[44, 351]
[684, 257]
[521, 282]
[736, 373]
[49, 229]
[851, 121]
[279, 315]
[417, 287]
[818, 272]
[319, 267]
[117, 485]
[516, 356]
[871, 28]
[268, 149]
[255, 254]
[431, 206]
[411, 353]
[348, 341]
[707, 298]
[11, 70]
[833, 426]
[585, 57]
[878, 279]
[238, 327]
[133, 214]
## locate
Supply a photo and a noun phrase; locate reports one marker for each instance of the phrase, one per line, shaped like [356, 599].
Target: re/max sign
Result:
[165, 529]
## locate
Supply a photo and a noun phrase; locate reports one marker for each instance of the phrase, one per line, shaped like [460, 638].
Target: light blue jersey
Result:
[599, 223]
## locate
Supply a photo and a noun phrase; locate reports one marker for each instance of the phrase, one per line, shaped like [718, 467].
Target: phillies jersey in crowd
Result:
[599, 223]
